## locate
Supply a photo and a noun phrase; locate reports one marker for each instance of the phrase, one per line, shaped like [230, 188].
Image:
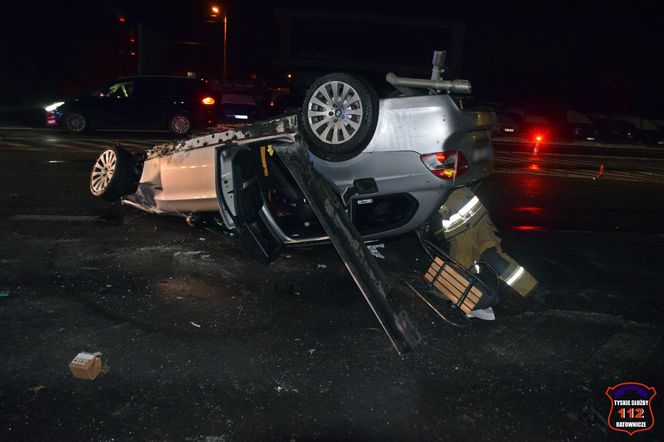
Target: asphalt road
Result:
[198, 344]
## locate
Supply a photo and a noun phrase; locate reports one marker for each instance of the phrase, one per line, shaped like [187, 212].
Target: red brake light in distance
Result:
[446, 165]
[208, 101]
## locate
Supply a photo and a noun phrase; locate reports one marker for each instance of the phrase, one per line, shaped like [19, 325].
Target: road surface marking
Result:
[12, 144]
[575, 166]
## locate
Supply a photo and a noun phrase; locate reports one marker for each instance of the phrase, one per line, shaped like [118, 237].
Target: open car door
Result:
[241, 200]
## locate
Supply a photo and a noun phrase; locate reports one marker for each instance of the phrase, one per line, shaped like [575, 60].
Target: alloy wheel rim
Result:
[334, 112]
[180, 124]
[102, 172]
[76, 122]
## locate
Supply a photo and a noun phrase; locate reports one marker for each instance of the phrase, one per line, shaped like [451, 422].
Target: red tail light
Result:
[208, 101]
[446, 165]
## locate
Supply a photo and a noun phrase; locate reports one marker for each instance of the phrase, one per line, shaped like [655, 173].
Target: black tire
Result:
[334, 132]
[180, 124]
[114, 174]
[75, 122]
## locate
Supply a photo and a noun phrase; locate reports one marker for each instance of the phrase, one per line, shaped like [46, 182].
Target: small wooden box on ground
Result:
[86, 365]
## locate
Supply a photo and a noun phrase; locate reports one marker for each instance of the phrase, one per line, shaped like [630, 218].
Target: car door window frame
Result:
[120, 90]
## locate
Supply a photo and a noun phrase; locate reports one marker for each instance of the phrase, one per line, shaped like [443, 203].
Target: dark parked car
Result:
[178, 104]
[615, 131]
[660, 126]
[505, 125]
[532, 126]
[646, 131]
[570, 125]
[242, 108]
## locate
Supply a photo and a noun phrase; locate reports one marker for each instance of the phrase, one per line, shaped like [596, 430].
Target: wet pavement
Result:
[198, 344]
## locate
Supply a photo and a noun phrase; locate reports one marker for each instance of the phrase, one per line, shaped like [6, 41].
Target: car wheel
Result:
[339, 116]
[75, 122]
[114, 174]
[180, 124]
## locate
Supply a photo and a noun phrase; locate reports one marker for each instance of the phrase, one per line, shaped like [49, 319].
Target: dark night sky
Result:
[596, 56]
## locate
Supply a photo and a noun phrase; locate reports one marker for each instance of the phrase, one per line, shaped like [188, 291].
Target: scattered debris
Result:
[285, 388]
[486, 314]
[190, 253]
[195, 324]
[4, 294]
[221, 438]
[285, 287]
[37, 389]
[86, 365]
[373, 249]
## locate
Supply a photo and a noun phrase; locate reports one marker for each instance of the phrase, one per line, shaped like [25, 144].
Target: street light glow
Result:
[215, 13]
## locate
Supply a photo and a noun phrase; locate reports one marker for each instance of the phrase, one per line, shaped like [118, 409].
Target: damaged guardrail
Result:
[348, 243]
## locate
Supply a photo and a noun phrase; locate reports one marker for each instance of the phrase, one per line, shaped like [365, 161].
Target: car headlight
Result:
[54, 106]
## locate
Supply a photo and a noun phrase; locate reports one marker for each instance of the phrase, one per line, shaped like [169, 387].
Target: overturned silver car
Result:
[384, 165]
